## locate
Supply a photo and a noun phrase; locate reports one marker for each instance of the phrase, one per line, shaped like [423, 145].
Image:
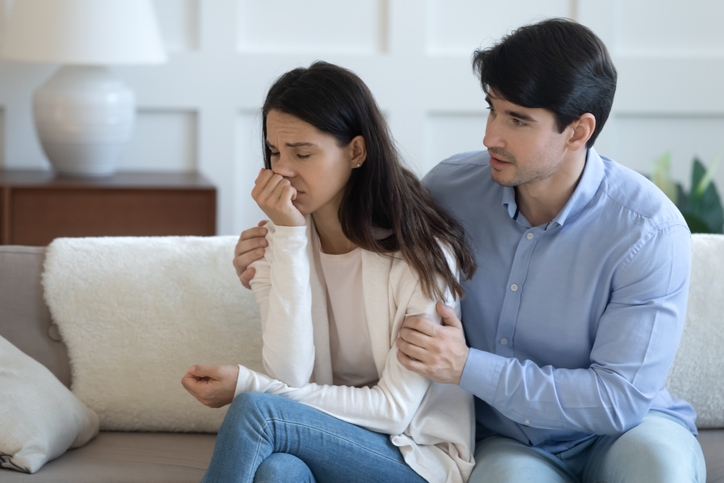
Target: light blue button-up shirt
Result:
[572, 325]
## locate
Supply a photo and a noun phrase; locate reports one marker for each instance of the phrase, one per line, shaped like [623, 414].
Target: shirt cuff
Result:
[291, 230]
[241, 380]
[481, 374]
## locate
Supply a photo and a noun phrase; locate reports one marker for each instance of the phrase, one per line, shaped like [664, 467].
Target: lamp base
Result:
[84, 117]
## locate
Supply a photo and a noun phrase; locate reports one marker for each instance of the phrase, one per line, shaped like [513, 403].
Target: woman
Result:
[355, 245]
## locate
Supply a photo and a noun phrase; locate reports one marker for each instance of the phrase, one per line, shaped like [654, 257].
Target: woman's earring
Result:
[358, 165]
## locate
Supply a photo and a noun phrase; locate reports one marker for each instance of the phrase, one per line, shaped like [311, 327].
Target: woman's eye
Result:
[273, 154]
[303, 156]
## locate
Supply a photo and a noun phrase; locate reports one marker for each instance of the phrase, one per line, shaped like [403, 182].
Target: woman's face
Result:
[313, 162]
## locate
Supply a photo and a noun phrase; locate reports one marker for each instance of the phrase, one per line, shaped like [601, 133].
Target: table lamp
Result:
[83, 114]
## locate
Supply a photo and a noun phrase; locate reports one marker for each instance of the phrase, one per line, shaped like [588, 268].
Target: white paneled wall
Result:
[200, 111]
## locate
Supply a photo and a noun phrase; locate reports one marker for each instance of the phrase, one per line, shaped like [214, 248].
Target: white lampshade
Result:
[84, 115]
[100, 32]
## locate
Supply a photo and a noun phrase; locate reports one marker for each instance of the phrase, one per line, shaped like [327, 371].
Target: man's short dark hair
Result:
[557, 64]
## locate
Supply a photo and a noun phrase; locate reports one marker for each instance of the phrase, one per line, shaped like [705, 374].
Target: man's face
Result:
[524, 144]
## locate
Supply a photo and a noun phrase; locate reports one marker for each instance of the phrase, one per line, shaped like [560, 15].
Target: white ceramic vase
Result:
[84, 117]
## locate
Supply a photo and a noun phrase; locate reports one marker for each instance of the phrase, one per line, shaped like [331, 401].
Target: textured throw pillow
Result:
[39, 417]
[136, 312]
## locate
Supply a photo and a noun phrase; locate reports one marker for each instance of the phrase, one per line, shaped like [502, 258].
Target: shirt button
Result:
[514, 288]
[504, 341]
[527, 422]
[530, 236]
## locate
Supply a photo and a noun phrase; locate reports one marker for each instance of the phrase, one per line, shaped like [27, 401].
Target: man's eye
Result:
[518, 122]
[273, 154]
[303, 156]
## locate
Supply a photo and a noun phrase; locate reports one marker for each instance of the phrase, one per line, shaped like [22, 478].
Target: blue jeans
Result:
[267, 438]
[659, 450]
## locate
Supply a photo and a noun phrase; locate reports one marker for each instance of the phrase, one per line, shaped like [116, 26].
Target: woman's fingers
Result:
[274, 195]
[265, 185]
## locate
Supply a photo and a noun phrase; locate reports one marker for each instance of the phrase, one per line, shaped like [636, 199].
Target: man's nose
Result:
[492, 138]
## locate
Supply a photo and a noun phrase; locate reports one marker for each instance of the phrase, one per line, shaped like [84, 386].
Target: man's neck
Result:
[541, 201]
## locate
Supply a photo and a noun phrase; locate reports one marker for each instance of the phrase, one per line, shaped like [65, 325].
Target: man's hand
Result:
[249, 248]
[213, 386]
[438, 352]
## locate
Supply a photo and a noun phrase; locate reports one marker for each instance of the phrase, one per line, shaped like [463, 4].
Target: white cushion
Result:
[39, 417]
[695, 375]
[135, 313]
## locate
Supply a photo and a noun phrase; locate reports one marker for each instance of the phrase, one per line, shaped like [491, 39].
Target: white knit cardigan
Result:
[432, 424]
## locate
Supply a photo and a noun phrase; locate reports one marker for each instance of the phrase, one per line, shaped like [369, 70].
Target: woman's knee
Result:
[283, 467]
[250, 408]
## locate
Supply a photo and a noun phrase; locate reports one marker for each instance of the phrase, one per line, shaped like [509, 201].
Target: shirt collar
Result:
[584, 192]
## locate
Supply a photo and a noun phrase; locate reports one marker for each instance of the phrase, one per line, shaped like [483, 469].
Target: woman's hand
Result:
[274, 195]
[213, 386]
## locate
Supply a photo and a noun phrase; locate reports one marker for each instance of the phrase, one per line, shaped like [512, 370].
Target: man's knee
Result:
[502, 460]
[657, 450]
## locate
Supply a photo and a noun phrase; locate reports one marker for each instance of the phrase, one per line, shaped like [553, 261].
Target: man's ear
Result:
[357, 151]
[582, 130]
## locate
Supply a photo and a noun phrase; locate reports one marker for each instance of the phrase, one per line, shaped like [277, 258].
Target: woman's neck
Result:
[331, 236]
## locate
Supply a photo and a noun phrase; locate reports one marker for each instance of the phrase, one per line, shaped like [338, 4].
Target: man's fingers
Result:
[414, 337]
[246, 277]
[248, 244]
[250, 249]
[242, 262]
[411, 364]
[255, 232]
[411, 350]
[448, 316]
[421, 324]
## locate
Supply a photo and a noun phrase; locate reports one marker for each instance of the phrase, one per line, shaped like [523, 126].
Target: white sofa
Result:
[130, 315]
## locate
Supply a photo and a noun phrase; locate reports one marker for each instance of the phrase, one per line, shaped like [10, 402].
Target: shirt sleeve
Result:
[387, 407]
[282, 290]
[635, 343]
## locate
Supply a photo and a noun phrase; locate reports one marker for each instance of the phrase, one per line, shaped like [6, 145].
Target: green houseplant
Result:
[701, 206]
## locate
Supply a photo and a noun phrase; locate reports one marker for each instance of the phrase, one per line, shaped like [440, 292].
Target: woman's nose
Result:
[283, 166]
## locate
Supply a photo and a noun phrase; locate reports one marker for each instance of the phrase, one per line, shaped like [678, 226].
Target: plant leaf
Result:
[662, 176]
[696, 225]
[682, 199]
[708, 176]
[706, 205]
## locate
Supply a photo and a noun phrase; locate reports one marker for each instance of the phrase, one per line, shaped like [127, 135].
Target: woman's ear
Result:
[583, 129]
[357, 151]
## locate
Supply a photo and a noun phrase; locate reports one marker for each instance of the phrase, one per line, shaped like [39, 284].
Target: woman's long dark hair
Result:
[381, 193]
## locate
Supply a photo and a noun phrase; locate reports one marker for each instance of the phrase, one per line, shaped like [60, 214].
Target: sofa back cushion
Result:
[695, 375]
[24, 317]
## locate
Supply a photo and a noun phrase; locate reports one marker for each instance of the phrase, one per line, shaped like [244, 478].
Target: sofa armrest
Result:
[24, 318]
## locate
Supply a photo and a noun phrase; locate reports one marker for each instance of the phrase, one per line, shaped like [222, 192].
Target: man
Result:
[575, 312]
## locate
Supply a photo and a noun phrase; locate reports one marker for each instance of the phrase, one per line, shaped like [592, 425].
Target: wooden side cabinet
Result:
[37, 206]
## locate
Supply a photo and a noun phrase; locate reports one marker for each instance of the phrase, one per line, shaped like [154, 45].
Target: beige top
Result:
[349, 337]
[432, 424]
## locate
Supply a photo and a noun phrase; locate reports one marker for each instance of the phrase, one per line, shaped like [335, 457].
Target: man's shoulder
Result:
[458, 169]
[638, 195]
